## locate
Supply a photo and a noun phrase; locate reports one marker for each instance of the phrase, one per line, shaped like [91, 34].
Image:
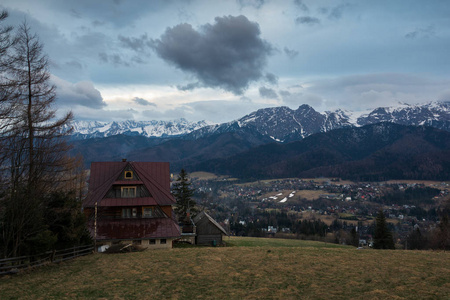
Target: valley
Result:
[278, 208]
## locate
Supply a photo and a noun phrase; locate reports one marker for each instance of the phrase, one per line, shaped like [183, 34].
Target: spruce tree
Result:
[383, 237]
[183, 193]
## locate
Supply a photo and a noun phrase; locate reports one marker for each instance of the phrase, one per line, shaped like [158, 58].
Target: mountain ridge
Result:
[372, 152]
[281, 124]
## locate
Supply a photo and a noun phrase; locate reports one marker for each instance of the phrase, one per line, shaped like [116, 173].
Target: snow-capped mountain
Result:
[433, 114]
[283, 124]
[92, 129]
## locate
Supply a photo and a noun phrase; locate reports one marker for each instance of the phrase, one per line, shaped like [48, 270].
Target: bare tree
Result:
[33, 144]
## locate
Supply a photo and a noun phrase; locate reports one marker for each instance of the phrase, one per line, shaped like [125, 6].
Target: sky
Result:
[114, 60]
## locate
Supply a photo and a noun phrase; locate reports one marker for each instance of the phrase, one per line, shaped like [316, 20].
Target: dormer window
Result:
[128, 175]
[128, 192]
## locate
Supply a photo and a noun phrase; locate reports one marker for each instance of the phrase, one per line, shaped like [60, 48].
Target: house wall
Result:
[158, 244]
[207, 232]
[144, 243]
[209, 239]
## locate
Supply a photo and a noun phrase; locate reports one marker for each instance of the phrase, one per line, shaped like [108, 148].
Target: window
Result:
[129, 213]
[128, 175]
[128, 192]
[126, 213]
[163, 241]
[147, 212]
[152, 242]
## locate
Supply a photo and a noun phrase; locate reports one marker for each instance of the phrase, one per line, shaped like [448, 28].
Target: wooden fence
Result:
[14, 264]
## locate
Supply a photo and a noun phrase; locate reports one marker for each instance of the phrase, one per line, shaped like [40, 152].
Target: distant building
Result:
[131, 202]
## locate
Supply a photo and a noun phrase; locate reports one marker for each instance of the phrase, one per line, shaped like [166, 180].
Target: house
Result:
[131, 202]
[208, 230]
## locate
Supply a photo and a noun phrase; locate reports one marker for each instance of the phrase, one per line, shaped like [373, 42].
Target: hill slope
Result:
[373, 152]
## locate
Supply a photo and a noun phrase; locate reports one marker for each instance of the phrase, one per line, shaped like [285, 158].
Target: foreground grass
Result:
[262, 269]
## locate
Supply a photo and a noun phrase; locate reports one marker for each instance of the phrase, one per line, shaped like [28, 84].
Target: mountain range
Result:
[281, 124]
[158, 129]
[263, 134]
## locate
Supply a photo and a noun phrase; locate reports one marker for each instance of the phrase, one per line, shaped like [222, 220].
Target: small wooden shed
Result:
[209, 232]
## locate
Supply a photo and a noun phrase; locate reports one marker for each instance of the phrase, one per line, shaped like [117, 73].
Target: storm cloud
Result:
[229, 54]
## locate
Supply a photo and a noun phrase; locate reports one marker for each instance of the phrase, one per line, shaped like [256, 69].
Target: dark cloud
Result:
[307, 20]
[141, 44]
[143, 102]
[290, 53]
[421, 33]
[82, 93]
[301, 5]
[267, 93]
[228, 54]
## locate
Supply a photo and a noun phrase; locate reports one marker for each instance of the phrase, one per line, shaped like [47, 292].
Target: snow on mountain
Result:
[281, 124]
[91, 129]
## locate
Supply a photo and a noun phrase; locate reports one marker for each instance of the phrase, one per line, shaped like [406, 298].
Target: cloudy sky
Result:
[219, 60]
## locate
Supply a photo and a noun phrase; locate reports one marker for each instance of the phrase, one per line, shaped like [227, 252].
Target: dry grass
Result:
[265, 269]
[203, 175]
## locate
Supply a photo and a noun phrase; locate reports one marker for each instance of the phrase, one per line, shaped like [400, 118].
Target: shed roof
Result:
[203, 215]
[154, 175]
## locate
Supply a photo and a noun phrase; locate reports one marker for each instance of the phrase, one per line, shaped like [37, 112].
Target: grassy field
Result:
[250, 269]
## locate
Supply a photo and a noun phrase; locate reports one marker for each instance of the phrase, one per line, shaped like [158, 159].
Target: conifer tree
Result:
[383, 237]
[183, 193]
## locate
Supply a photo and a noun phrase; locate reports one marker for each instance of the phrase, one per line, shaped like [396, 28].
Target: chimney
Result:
[124, 160]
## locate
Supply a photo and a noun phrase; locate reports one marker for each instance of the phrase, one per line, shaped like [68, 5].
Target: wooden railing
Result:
[14, 264]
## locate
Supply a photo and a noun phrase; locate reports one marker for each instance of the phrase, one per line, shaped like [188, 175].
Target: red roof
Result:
[125, 229]
[154, 175]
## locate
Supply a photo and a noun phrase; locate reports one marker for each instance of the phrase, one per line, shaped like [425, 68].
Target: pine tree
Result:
[383, 237]
[183, 193]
